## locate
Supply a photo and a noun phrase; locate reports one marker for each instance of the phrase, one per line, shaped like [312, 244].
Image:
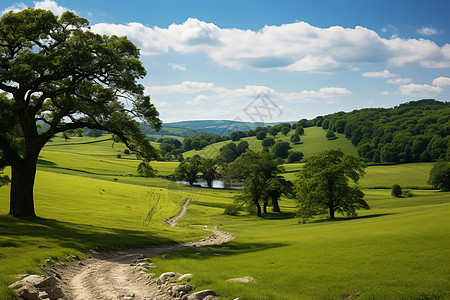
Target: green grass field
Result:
[397, 250]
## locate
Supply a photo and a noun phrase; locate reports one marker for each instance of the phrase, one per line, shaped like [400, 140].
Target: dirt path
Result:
[173, 221]
[110, 275]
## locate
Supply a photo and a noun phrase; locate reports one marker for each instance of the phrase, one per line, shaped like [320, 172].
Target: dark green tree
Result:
[55, 71]
[440, 175]
[285, 130]
[323, 185]
[295, 138]
[396, 191]
[295, 156]
[330, 135]
[188, 170]
[145, 170]
[256, 169]
[268, 141]
[299, 130]
[261, 135]
[281, 149]
[208, 167]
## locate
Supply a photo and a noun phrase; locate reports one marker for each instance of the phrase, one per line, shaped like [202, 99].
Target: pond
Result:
[216, 184]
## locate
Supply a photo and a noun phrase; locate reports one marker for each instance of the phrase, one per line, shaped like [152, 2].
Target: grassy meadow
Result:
[85, 199]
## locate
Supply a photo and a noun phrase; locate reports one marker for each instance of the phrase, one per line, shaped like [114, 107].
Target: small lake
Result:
[216, 184]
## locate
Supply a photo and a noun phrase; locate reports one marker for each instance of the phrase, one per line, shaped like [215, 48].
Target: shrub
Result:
[396, 191]
[231, 210]
[295, 156]
[330, 135]
[407, 194]
[119, 156]
[126, 151]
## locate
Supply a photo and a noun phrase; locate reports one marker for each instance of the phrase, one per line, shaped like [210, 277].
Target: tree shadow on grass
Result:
[224, 250]
[279, 216]
[77, 236]
[350, 218]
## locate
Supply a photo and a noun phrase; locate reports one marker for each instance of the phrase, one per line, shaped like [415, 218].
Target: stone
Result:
[201, 295]
[40, 281]
[53, 292]
[165, 256]
[245, 279]
[28, 292]
[210, 297]
[217, 254]
[165, 277]
[185, 277]
[142, 256]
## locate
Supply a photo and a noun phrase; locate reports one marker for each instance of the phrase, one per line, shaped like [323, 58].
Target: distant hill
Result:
[220, 127]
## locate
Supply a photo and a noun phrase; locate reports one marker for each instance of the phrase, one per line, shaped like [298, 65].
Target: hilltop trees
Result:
[55, 71]
[323, 185]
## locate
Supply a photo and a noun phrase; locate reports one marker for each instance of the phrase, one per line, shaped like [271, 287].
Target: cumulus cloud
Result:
[205, 91]
[420, 90]
[291, 47]
[46, 4]
[441, 81]
[382, 74]
[177, 67]
[427, 30]
[399, 81]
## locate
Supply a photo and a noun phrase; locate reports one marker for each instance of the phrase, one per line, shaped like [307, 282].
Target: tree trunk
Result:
[22, 183]
[265, 207]
[276, 206]
[258, 208]
[209, 182]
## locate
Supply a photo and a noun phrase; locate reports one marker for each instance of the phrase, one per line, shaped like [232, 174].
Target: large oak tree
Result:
[54, 71]
[324, 185]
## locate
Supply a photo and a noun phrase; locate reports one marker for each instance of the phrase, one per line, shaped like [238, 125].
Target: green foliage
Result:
[299, 130]
[323, 185]
[396, 191]
[330, 135]
[71, 81]
[411, 132]
[208, 167]
[231, 210]
[267, 142]
[285, 130]
[261, 135]
[188, 170]
[440, 175]
[295, 156]
[281, 149]
[295, 138]
[256, 170]
[145, 170]
[4, 179]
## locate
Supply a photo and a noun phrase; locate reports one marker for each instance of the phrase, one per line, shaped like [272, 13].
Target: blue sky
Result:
[211, 59]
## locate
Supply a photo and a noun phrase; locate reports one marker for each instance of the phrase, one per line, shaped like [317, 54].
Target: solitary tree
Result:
[55, 71]
[330, 135]
[440, 175]
[188, 170]
[323, 185]
[295, 138]
[396, 191]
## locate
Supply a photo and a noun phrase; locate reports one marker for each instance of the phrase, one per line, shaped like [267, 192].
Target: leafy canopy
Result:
[323, 185]
[55, 71]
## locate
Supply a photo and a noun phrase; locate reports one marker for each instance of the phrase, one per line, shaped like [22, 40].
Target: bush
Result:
[231, 210]
[268, 141]
[126, 151]
[330, 135]
[396, 191]
[119, 156]
[295, 156]
[407, 194]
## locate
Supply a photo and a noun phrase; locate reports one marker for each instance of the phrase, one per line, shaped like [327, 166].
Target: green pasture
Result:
[312, 141]
[397, 250]
[85, 199]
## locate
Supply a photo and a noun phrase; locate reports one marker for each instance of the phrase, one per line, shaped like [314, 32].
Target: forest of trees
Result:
[411, 132]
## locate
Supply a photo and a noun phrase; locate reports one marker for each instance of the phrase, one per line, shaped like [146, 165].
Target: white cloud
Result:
[399, 81]
[385, 93]
[177, 67]
[420, 90]
[204, 91]
[382, 74]
[441, 81]
[291, 47]
[46, 4]
[427, 30]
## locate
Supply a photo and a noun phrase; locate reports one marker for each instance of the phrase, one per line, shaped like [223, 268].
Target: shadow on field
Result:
[351, 218]
[228, 249]
[279, 216]
[77, 236]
